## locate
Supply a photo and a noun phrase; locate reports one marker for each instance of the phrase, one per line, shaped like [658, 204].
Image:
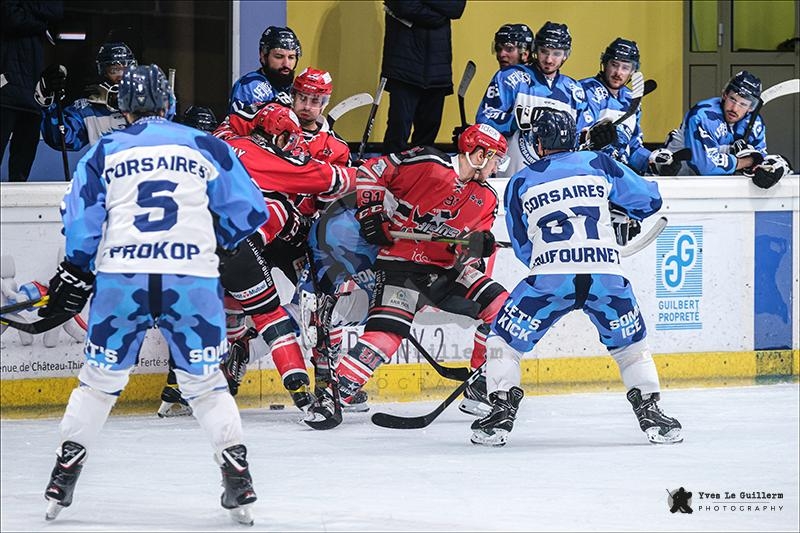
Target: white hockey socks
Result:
[637, 368]
[502, 365]
[86, 413]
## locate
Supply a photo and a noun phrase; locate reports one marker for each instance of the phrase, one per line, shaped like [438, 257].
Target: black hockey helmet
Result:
[114, 54]
[519, 35]
[144, 89]
[555, 128]
[746, 85]
[553, 35]
[201, 118]
[279, 37]
[621, 50]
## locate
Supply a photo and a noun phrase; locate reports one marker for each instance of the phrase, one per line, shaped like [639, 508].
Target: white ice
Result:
[573, 463]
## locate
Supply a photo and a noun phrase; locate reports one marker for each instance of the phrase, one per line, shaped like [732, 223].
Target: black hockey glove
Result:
[234, 367]
[600, 135]
[51, 85]
[481, 244]
[69, 290]
[295, 232]
[770, 171]
[374, 224]
[457, 131]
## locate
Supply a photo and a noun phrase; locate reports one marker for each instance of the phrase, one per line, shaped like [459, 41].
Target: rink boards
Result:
[718, 292]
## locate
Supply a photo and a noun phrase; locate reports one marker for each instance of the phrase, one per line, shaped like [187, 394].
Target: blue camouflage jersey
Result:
[251, 88]
[602, 104]
[522, 85]
[84, 124]
[167, 194]
[557, 212]
[705, 132]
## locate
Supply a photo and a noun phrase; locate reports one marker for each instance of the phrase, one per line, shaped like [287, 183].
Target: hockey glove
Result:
[749, 151]
[51, 85]
[481, 244]
[295, 232]
[599, 135]
[524, 116]
[770, 171]
[625, 228]
[234, 367]
[69, 290]
[374, 224]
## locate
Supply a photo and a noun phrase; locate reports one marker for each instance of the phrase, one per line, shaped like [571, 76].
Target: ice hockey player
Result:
[515, 91]
[201, 118]
[512, 45]
[560, 222]
[608, 98]
[278, 52]
[436, 194]
[152, 270]
[91, 117]
[292, 184]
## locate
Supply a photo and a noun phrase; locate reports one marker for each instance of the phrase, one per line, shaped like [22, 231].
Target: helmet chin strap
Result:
[475, 167]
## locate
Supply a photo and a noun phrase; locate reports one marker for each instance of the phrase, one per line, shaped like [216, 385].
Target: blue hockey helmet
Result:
[201, 118]
[554, 127]
[114, 54]
[621, 50]
[519, 35]
[279, 37]
[746, 85]
[144, 90]
[553, 35]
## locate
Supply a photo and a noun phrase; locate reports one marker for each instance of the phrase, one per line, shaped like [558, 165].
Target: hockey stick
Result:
[62, 133]
[427, 237]
[466, 79]
[40, 326]
[767, 95]
[347, 105]
[390, 421]
[20, 306]
[371, 120]
[639, 88]
[324, 346]
[637, 245]
[456, 374]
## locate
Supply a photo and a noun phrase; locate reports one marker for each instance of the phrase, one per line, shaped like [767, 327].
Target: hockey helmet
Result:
[621, 50]
[553, 35]
[519, 35]
[279, 37]
[144, 89]
[201, 118]
[555, 128]
[114, 54]
[745, 85]
[486, 137]
[314, 82]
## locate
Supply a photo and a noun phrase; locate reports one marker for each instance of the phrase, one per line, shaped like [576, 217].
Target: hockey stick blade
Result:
[21, 306]
[456, 374]
[347, 105]
[386, 420]
[436, 238]
[40, 326]
[371, 120]
[637, 245]
[781, 89]
[466, 79]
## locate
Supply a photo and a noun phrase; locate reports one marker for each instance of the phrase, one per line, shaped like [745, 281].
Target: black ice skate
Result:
[299, 390]
[357, 403]
[493, 429]
[659, 428]
[239, 495]
[323, 413]
[475, 401]
[172, 403]
[234, 367]
[69, 464]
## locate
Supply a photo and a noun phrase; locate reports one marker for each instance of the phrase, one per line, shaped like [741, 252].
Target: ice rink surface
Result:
[573, 463]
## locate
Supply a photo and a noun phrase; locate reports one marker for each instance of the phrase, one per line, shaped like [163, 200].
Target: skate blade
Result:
[673, 436]
[53, 508]
[474, 408]
[170, 409]
[243, 514]
[495, 440]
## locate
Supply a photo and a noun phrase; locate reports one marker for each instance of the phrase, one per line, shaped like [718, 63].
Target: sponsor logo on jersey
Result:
[435, 222]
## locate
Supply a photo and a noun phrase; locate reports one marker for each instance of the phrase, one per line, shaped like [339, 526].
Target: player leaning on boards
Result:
[147, 208]
[725, 136]
[559, 221]
[608, 99]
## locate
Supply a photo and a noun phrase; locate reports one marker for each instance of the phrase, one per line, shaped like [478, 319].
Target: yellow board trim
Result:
[45, 397]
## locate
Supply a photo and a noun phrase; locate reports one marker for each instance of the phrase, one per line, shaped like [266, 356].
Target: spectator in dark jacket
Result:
[417, 57]
[24, 25]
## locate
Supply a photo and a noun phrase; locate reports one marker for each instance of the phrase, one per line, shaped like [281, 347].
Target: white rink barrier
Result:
[718, 292]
